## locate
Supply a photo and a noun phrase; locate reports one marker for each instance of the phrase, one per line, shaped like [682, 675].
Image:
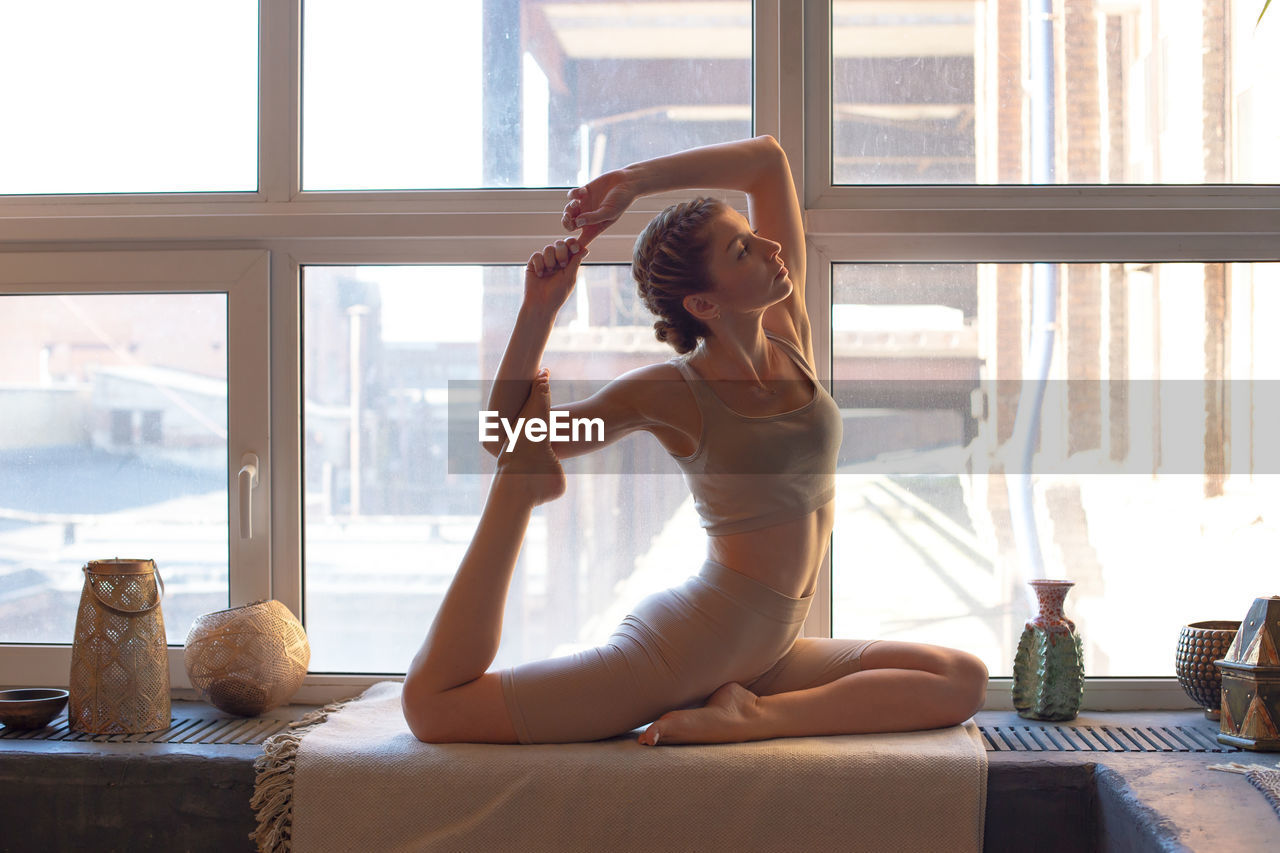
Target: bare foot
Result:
[731, 715]
[533, 465]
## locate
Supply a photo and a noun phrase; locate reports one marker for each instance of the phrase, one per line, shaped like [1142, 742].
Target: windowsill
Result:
[128, 794]
[1125, 800]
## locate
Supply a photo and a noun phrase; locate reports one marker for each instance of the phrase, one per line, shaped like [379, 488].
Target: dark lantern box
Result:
[1251, 681]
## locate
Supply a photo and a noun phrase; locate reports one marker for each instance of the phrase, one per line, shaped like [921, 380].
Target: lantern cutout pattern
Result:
[248, 659]
[1251, 681]
[119, 679]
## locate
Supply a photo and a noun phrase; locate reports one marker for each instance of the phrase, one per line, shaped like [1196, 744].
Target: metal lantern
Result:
[119, 660]
[1251, 681]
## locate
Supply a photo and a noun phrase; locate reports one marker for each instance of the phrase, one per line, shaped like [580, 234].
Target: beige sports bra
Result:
[749, 473]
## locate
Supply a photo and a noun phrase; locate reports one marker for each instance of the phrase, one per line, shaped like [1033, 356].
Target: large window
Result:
[1051, 91]
[129, 381]
[304, 244]
[115, 442]
[1151, 459]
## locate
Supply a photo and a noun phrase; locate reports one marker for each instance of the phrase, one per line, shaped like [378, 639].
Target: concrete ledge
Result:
[125, 801]
[1139, 801]
[140, 797]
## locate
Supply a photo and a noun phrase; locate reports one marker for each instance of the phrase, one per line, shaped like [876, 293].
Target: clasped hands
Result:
[593, 207]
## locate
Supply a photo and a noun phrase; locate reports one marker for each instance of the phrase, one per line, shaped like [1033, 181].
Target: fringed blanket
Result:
[352, 777]
[1260, 776]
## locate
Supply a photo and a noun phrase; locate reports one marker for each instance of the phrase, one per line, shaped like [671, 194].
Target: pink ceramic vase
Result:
[1050, 595]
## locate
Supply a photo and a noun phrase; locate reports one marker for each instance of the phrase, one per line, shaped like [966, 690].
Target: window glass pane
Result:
[113, 443]
[385, 347]
[137, 96]
[1154, 475]
[1054, 92]
[399, 94]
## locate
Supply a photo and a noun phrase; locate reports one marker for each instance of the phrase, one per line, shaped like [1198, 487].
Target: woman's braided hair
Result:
[670, 263]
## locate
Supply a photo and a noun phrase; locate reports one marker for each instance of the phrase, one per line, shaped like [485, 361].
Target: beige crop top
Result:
[748, 473]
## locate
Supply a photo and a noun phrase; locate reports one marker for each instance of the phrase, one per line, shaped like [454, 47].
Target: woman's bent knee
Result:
[421, 717]
[474, 712]
[970, 677]
[433, 721]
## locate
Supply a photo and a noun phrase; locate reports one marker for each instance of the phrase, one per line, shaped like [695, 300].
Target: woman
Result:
[718, 659]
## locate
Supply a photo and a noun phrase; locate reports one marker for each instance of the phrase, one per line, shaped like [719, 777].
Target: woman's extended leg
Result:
[447, 694]
[899, 687]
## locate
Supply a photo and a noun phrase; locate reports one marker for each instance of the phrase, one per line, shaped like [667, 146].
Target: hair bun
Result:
[669, 263]
[684, 340]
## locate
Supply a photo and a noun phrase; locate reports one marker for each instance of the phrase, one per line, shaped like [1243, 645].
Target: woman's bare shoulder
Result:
[662, 371]
[665, 402]
[650, 385]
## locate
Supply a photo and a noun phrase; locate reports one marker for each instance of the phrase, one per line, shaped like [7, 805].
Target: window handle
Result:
[248, 482]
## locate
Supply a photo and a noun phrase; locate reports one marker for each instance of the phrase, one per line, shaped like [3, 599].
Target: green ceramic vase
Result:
[1048, 669]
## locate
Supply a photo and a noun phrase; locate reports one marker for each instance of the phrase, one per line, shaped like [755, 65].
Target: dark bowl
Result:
[32, 707]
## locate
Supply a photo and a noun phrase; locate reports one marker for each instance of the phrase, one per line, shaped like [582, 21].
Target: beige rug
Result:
[359, 781]
[1260, 776]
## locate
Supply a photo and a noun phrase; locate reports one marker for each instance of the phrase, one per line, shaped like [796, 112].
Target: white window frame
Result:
[844, 224]
[243, 277]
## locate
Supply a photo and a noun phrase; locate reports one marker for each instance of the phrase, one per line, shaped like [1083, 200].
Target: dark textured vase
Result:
[1200, 644]
[1048, 669]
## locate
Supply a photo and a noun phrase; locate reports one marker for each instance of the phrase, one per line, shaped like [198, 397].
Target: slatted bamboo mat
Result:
[182, 729]
[1060, 737]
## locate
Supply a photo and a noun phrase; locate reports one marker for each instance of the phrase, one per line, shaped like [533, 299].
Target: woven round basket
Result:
[248, 659]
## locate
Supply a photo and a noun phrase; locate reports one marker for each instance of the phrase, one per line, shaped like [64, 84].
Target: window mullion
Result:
[817, 100]
[279, 100]
[249, 405]
[1263, 199]
[765, 89]
[286, 415]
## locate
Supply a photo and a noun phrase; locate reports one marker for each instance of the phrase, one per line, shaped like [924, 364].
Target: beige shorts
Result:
[674, 651]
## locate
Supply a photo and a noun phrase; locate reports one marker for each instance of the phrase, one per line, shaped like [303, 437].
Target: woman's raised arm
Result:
[548, 280]
[756, 166]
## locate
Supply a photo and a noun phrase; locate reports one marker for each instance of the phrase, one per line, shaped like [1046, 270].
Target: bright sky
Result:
[143, 96]
[161, 96]
[397, 81]
[434, 303]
